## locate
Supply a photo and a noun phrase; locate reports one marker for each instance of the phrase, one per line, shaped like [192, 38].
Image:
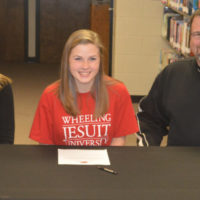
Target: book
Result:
[181, 5]
[168, 56]
[174, 23]
[179, 34]
[185, 4]
[185, 34]
[187, 40]
[192, 6]
[195, 5]
[176, 30]
[167, 15]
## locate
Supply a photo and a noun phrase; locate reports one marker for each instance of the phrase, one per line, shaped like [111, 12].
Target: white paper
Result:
[83, 157]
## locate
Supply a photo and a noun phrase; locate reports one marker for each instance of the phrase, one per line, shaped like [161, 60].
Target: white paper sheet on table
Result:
[83, 157]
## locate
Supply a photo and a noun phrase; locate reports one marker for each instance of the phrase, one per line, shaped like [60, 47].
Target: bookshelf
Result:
[176, 29]
[183, 7]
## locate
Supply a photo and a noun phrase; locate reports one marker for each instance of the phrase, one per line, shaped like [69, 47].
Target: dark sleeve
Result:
[152, 117]
[6, 116]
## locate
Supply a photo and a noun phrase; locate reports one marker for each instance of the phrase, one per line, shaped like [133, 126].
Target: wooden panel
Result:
[58, 19]
[2, 28]
[12, 30]
[100, 23]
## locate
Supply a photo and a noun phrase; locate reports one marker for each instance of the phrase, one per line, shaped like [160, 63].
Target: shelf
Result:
[186, 19]
[175, 50]
[177, 11]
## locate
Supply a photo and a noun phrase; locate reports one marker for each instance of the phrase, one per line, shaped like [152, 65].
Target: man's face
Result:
[195, 38]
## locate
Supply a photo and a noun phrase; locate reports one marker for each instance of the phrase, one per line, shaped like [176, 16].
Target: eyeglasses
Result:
[196, 34]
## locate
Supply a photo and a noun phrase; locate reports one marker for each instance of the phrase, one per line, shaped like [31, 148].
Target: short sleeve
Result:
[41, 130]
[125, 120]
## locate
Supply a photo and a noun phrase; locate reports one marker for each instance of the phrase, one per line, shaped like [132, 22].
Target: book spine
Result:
[195, 5]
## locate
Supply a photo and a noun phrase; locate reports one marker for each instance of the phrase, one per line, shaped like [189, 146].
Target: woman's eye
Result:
[77, 58]
[92, 58]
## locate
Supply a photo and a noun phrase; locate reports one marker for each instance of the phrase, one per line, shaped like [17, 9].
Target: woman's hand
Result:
[119, 141]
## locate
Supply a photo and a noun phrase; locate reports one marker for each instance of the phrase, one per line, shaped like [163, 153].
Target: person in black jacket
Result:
[6, 111]
[172, 106]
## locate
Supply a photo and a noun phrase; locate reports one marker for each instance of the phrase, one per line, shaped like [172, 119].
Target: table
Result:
[32, 172]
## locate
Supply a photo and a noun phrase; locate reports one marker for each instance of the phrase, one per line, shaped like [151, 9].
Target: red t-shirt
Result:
[52, 125]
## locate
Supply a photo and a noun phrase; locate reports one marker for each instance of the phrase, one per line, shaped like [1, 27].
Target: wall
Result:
[58, 19]
[12, 30]
[136, 43]
[31, 28]
[100, 23]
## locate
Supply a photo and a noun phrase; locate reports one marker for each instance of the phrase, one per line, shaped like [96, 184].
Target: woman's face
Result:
[84, 62]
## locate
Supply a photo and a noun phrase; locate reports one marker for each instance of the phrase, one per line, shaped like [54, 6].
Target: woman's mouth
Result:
[84, 74]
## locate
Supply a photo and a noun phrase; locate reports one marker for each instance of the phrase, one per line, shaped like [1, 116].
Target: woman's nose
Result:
[85, 64]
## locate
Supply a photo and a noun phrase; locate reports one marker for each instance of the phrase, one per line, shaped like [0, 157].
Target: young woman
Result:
[85, 107]
[6, 111]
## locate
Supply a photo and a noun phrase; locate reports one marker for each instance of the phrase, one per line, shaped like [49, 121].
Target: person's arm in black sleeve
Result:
[152, 118]
[6, 115]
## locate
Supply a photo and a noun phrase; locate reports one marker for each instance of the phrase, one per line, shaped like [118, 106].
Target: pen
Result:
[108, 170]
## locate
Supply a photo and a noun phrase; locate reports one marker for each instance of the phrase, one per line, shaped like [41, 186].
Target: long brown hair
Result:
[67, 87]
[4, 80]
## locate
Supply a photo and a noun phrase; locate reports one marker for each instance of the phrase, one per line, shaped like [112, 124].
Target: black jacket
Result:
[6, 116]
[172, 107]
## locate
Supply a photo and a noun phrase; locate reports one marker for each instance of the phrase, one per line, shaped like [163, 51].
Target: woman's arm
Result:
[119, 141]
[6, 115]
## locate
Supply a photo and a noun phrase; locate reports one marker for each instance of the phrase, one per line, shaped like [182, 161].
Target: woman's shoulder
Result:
[115, 85]
[5, 81]
[6, 90]
[52, 87]
[112, 82]
[51, 91]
